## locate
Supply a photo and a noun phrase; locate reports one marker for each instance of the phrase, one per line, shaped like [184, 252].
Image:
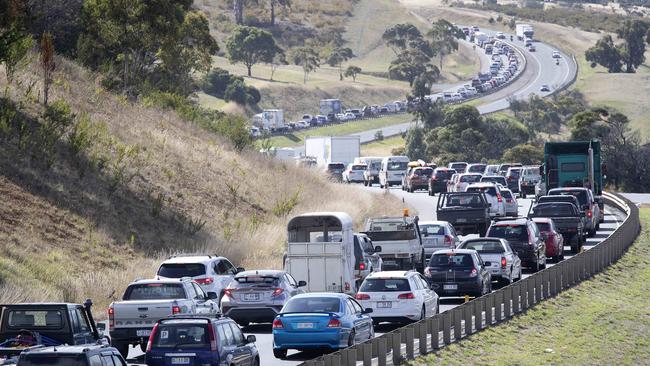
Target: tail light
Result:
[427, 272]
[474, 273]
[151, 337]
[362, 266]
[347, 286]
[509, 178]
[204, 281]
[503, 262]
[499, 198]
[589, 213]
[111, 318]
[277, 292]
[449, 240]
[176, 309]
[277, 324]
[227, 292]
[334, 323]
[508, 200]
[213, 339]
[406, 296]
[362, 297]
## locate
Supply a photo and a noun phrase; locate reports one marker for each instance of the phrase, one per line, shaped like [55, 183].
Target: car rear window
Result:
[313, 305]
[477, 168]
[47, 319]
[178, 270]
[444, 174]
[385, 285]
[254, 281]
[498, 180]
[451, 260]
[581, 195]
[181, 335]
[470, 178]
[429, 229]
[336, 166]
[459, 167]
[464, 200]
[553, 209]
[543, 226]
[506, 194]
[359, 167]
[485, 246]
[52, 360]
[509, 232]
[154, 291]
[425, 172]
[514, 173]
[487, 190]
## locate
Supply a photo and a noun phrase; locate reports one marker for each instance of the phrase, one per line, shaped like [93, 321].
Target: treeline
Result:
[628, 51]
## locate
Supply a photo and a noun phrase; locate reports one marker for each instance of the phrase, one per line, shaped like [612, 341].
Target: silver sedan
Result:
[437, 235]
[500, 260]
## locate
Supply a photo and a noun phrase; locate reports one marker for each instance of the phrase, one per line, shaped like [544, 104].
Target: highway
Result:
[425, 206]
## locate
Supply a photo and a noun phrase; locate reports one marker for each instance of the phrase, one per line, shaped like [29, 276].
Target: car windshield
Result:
[464, 200]
[178, 270]
[313, 305]
[487, 190]
[335, 166]
[506, 194]
[429, 229]
[53, 360]
[181, 336]
[397, 165]
[426, 172]
[473, 178]
[385, 285]
[444, 174]
[257, 281]
[580, 194]
[25, 318]
[485, 246]
[154, 291]
[509, 232]
[451, 260]
[553, 210]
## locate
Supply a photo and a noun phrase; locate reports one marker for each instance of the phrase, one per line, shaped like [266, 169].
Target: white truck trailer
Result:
[330, 106]
[269, 119]
[329, 149]
[524, 31]
[320, 250]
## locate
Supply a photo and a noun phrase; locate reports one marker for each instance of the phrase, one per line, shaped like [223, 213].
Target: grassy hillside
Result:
[383, 147]
[152, 184]
[603, 321]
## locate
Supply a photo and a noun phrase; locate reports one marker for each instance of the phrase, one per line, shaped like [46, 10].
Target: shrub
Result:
[235, 129]
[379, 135]
[236, 92]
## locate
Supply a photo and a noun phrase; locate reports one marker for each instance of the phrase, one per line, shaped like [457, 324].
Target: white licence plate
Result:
[305, 325]
[143, 333]
[450, 287]
[461, 220]
[384, 304]
[251, 297]
[180, 360]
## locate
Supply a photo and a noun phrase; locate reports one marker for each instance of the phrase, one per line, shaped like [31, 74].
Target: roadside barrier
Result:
[429, 335]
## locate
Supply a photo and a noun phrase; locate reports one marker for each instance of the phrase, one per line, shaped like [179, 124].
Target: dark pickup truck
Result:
[34, 325]
[567, 219]
[468, 212]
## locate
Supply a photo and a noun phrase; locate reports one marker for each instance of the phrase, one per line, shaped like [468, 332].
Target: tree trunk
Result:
[239, 11]
[248, 67]
[340, 73]
[441, 57]
[304, 81]
[272, 13]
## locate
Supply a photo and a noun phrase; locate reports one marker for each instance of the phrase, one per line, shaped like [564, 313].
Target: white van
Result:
[393, 169]
[371, 174]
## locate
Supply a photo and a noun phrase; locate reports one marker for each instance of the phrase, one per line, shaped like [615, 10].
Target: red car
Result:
[554, 240]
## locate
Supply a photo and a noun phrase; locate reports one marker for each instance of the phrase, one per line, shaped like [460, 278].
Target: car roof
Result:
[322, 294]
[192, 259]
[458, 251]
[518, 221]
[487, 238]
[262, 272]
[568, 189]
[542, 219]
[161, 280]
[420, 223]
[482, 185]
[77, 349]
[391, 274]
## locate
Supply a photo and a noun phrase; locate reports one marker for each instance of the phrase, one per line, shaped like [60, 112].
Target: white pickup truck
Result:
[146, 301]
[400, 241]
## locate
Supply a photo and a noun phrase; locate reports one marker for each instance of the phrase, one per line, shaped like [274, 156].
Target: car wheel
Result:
[256, 362]
[351, 338]
[381, 186]
[280, 353]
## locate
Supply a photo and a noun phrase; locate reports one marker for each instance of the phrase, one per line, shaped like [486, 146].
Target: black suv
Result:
[524, 238]
[84, 355]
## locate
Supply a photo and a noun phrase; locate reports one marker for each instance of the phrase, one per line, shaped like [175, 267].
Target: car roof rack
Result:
[498, 219]
[193, 255]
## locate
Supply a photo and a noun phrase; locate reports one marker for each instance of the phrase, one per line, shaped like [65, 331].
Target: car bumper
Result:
[255, 315]
[403, 312]
[462, 288]
[332, 339]
[129, 335]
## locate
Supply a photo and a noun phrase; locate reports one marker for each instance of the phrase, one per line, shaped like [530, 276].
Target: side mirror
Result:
[487, 264]
[212, 295]
[302, 283]
[367, 311]
[250, 339]
[240, 269]
[378, 249]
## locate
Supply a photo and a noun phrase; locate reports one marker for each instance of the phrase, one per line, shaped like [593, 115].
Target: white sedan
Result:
[398, 297]
[354, 173]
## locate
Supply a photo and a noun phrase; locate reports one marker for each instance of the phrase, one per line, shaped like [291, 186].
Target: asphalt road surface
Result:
[425, 206]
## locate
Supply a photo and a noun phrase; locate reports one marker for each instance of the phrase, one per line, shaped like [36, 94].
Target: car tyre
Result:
[256, 362]
[280, 353]
[351, 338]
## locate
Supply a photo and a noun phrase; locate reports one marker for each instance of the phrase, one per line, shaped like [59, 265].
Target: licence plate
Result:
[305, 325]
[384, 304]
[450, 287]
[180, 360]
[251, 297]
[461, 220]
[143, 333]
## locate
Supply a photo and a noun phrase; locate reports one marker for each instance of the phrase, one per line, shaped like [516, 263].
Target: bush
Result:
[236, 92]
[222, 84]
[379, 135]
[235, 129]
[253, 95]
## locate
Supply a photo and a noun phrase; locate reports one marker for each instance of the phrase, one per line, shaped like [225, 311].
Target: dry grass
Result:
[67, 237]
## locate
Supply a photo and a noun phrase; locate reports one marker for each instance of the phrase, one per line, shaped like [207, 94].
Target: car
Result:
[528, 178]
[354, 173]
[531, 48]
[258, 296]
[458, 272]
[307, 117]
[341, 117]
[544, 88]
[512, 178]
[418, 178]
[349, 116]
[398, 297]
[500, 35]
[321, 320]
[458, 166]
[334, 171]
[500, 180]
[366, 257]
[550, 234]
[437, 235]
[199, 340]
[439, 179]
[490, 170]
[503, 168]
[512, 206]
[464, 180]
[322, 119]
[493, 195]
[358, 114]
[475, 168]
[567, 220]
[523, 236]
[302, 124]
[78, 355]
[501, 261]
[588, 205]
[451, 183]
[566, 198]
[556, 54]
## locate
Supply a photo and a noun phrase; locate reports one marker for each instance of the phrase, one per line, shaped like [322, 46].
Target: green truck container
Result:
[573, 164]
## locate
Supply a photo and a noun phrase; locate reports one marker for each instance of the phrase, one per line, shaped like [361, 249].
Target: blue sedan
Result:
[320, 321]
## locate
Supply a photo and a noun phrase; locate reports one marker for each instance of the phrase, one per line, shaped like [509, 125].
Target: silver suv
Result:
[528, 179]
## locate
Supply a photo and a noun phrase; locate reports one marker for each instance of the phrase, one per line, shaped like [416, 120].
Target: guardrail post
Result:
[489, 303]
[434, 330]
[498, 300]
[396, 343]
[555, 279]
[423, 325]
[446, 327]
[458, 319]
[367, 354]
[382, 350]
[507, 297]
[528, 291]
[469, 311]
[478, 313]
[408, 336]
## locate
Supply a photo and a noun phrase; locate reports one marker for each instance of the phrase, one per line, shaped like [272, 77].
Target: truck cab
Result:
[400, 240]
[320, 250]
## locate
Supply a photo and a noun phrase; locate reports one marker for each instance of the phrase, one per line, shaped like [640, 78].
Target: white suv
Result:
[398, 296]
[493, 195]
[212, 273]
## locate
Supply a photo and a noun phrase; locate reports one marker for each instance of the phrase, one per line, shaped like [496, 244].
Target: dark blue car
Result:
[320, 321]
[200, 340]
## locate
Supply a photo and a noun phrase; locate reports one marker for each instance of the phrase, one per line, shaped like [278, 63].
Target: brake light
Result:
[227, 292]
[499, 198]
[362, 266]
[151, 337]
[334, 323]
[347, 286]
[449, 240]
[277, 324]
[176, 310]
[362, 297]
[508, 200]
[277, 292]
[509, 178]
[474, 273]
[406, 296]
[111, 318]
[589, 214]
[213, 340]
[503, 262]
[204, 281]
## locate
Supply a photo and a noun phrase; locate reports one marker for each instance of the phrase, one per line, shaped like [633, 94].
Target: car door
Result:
[427, 294]
[203, 304]
[225, 273]
[362, 323]
[293, 285]
[242, 353]
[81, 333]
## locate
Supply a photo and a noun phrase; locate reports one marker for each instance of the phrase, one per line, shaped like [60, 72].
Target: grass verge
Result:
[383, 147]
[604, 321]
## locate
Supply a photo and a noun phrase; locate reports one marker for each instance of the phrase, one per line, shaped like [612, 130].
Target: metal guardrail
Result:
[431, 334]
